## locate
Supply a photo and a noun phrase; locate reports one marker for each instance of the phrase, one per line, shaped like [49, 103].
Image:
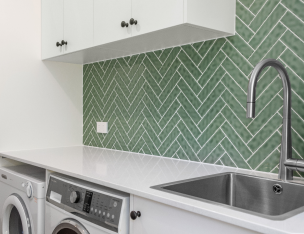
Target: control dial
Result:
[74, 197]
[29, 190]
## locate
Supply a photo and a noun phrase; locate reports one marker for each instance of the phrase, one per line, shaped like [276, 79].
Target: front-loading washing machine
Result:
[22, 199]
[74, 206]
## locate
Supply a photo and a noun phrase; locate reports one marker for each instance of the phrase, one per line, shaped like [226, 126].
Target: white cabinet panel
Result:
[155, 15]
[78, 24]
[157, 218]
[52, 27]
[108, 15]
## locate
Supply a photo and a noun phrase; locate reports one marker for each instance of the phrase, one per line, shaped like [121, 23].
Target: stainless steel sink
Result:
[272, 199]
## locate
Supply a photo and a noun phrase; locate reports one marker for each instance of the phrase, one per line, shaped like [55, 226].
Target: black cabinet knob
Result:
[133, 21]
[124, 24]
[58, 44]
[135, 214]
[64, 42]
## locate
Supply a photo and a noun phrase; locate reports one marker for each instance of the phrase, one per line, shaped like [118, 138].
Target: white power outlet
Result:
[102, 127]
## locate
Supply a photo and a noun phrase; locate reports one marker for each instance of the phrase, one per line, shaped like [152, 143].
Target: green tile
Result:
[169, 127]
[211, 129]
[236, 124]
[212, 83]
[235, 90]
[257, 6]
[172, 149]
[188, 136]
[184, 144]
[293, 62]
[170, 99]
[212, 52]
[265, 132]
[265, 150]
[270, 162]
[294, 24]
[293, 43]
[247, 3]
[268, 43]
[189, 79]
[211, 114]
[214, 66]
[238, 59]
[189, 108]
[234, 154]
[169, 87]
[210, 145]
[226, 160]
[265, 115]
[192, 54]
[296, 7]
[215, 155]
[268, 25]
[243, 30]
[188, 122]
[195, 102]
[241, 45]
[168, 62]
[263, 14]
[211, 99]
[244, 14]
[167, 142]
[237, 142]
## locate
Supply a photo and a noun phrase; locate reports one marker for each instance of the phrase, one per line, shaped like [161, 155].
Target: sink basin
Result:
[268, 198]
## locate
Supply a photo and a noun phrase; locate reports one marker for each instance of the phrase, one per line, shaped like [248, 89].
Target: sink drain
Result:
[278, 189]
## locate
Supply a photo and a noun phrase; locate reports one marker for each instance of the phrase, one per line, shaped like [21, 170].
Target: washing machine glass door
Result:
[70, 226]
[16, 218]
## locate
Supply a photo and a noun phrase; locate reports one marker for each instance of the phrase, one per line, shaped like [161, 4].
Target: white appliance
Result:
[22, 199]
[74, 206]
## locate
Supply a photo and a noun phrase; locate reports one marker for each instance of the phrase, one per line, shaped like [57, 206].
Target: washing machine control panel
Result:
[96, 206]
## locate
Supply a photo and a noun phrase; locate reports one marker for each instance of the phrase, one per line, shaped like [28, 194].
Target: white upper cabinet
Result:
[155, 15]
[52, 28]
[108, 16]
[93, 28]
[78, 24]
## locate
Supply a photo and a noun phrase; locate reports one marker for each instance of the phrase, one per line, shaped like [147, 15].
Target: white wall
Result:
[40, 102]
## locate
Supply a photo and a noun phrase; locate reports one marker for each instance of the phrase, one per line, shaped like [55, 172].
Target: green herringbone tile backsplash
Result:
[189, 102]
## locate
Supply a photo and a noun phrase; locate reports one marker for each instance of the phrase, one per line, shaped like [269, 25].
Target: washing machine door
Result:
[70, 226]
[15, 216]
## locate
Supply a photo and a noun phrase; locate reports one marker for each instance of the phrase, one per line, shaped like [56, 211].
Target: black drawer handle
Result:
[64, 42]
[133, 21]
[58, 44]
[4, 176]
[135, 214]
[124, 24]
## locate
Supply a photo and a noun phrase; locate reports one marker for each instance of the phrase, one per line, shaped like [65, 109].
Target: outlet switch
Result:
[102, 127]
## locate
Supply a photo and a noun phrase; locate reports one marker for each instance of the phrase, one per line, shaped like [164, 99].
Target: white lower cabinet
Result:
[158, 218]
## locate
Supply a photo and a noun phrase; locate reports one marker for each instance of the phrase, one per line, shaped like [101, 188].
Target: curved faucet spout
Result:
[286, 150]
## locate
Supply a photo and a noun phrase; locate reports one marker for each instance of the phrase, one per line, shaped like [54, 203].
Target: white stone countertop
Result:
[136, 173]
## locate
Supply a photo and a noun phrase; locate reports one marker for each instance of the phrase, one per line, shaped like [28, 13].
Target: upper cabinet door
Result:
[152, 15]
[108, 15]
[52, 27]
[78, 24]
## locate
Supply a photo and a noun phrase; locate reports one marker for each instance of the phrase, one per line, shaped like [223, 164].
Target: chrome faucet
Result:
[287, 164]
